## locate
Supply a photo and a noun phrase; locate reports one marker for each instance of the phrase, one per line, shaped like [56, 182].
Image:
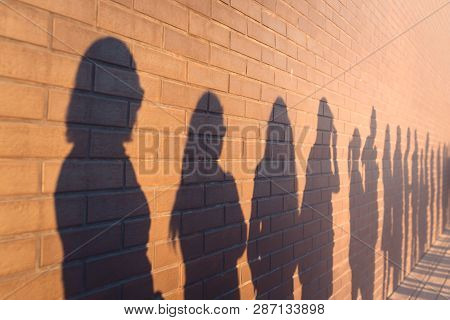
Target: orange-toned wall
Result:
[69, 223]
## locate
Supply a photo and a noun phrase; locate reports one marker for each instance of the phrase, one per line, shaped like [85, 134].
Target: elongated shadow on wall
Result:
[316, 212]
[207, 217]
[274, 208]
[108, 217]
[363, 208]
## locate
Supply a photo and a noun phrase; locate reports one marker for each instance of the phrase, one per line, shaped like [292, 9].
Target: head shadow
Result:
[99, 121]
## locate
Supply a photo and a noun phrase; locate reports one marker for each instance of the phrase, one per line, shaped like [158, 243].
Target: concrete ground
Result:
[430, 279]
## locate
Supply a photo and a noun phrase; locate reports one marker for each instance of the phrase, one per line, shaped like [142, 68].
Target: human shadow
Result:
[432, 199]
[415, 189]
[386, 238]
[424, 199]
[107, 218]
[397, 213]
[274, 205]
[407, 194]
[363, 208]
[356, 199]
[206, 217]
[445, 188]
[322, 180]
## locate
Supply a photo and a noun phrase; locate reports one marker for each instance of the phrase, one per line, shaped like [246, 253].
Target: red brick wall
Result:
[333, 119]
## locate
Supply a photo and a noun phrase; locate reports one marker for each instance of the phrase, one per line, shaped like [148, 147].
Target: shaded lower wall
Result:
[220, 149]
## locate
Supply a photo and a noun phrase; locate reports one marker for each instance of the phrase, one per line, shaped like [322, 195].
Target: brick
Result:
[19, 62]
[248, 7]
[180, 95]
[76, 175]
[227, 60]
[46, 284]
[223, 238]
[168, 253]
[185, 45]
[216, 193]
[207, 77]
[273, 22]
[166, 11]
[296, 68]
[208, 29]
[121, 21]
[157, 117]
[87, 109]
[228, 16]
[245, 87]
[20, 177]
[260, 72]
[269, 206]
[83, 10]
[286, 46]
[126, 83]
[30, 105]
[16, 23]
[72, 38]
[143, 230]
[118, 205]
[245, 46]
[126, 3]
[203, 267]
[285, 80]
[166, 280]
[296, 35]
[201, 220]
[111, 268]
[189, 197]
[32, 140]
[221, 284]
[81, 243]
[269, 4]
[22, 216]
[230, 105]
[274, 58]
[203, 7]
[261, 34]
[18, 256]
[286, 12]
